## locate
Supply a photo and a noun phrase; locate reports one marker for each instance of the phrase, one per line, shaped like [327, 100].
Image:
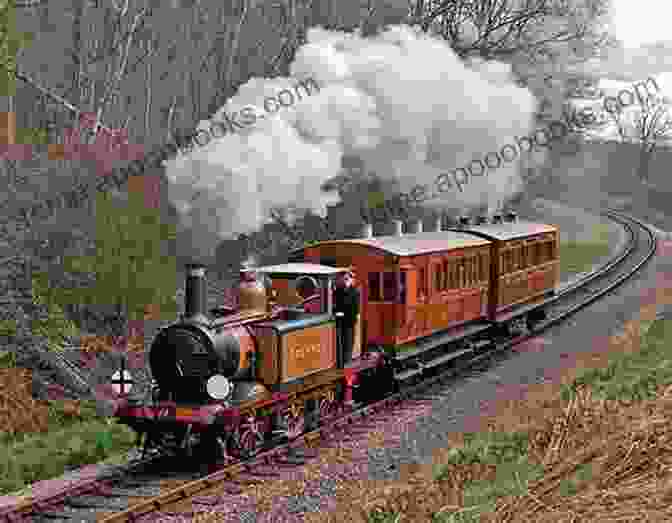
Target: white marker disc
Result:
[218, 387]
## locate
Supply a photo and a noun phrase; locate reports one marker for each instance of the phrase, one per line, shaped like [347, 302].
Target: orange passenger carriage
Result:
[413, 285]
[525, 268]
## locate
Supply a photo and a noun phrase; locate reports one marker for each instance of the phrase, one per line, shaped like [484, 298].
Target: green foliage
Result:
[7, 359]
[51, 322]
[577, 257]
[634, 376]
[488, 447]
[32, 136]
[569, 486]
[8, 327]
[41, 456]
[129, 266]
[60, 416]
[10, 43]
[480, 496]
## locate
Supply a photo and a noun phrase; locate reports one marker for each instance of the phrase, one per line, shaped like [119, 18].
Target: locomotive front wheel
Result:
[246, 440]
[295, 420]
[328, 405]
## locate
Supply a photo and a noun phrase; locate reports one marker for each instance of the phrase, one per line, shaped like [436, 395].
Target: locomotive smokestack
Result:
[398, 228]
[195, 293]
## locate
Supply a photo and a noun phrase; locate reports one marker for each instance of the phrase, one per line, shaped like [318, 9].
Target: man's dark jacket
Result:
[346, 300]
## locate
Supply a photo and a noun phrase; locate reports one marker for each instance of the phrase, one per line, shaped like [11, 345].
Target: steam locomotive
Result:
[229, 381]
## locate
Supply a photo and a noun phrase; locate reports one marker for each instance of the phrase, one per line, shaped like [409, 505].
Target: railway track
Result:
[143, 487]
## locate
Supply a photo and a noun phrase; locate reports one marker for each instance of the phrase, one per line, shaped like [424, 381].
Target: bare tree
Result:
[653, 126]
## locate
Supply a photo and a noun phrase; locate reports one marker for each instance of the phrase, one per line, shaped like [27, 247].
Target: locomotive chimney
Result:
[398, 228]
[367, 230]
[195, 293]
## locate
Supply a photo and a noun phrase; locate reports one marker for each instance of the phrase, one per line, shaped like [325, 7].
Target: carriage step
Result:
[446, 357]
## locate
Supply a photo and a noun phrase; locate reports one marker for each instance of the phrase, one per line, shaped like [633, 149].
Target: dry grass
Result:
[19, 411]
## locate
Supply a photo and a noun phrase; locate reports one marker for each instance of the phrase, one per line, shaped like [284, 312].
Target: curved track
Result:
[130, 492]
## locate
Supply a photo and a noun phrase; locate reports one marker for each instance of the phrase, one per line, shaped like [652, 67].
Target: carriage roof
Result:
[297, 269]
[414, 244]
[509, 230]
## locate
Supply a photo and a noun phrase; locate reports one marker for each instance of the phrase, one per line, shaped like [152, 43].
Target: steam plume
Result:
[401, 101]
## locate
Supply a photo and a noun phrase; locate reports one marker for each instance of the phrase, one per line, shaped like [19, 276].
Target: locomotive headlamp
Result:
[218, 387]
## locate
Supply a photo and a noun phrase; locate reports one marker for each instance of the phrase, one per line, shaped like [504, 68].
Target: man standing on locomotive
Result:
[346, 307]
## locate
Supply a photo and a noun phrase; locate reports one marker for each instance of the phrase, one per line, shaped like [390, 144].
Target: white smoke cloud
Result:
[401, 101]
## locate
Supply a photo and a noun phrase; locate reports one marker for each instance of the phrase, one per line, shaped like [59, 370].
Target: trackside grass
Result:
[602, 438]
[76, 436]
[579, 256]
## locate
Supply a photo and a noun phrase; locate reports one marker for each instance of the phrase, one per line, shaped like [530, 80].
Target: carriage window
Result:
[524, 256]
[389, 286]
[538, 253]
[460, 274]
[437, 277]
[422, 282]
[447, 278]
[517, 258]
[402, 287]
[374, 286]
